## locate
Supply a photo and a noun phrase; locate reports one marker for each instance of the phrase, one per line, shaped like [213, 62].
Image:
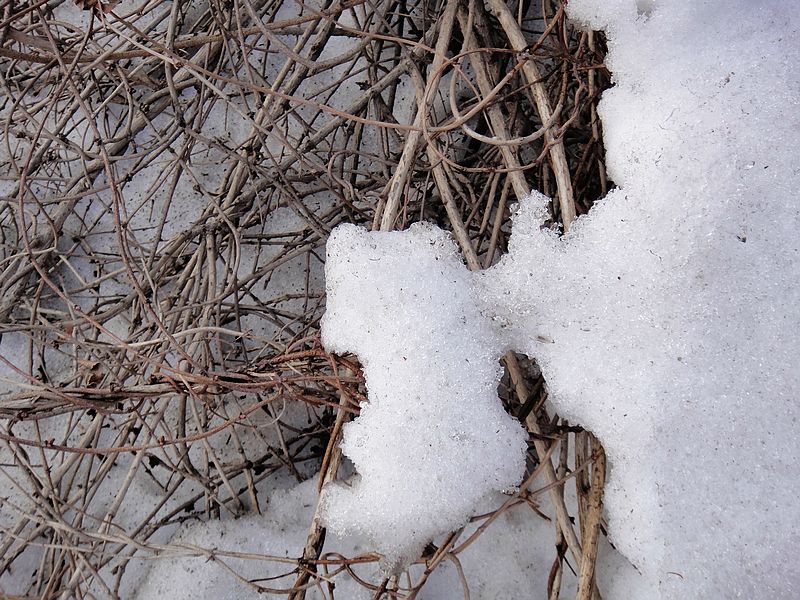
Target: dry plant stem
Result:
[558, 157]
[498, 223]
[561, 473]
[586, 585]
[582, 478]
[601, 168]
[11, 292]
[233, 182]
[316, 535]
[557, 570]
[288, 27]
[557, 489]
[440, 177]
[55, 478]
[496, 116]
[440, 554]
[333, 124]
[398, 183]
[453, 214]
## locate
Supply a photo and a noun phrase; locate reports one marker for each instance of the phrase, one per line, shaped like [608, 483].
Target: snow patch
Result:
[402, 302]
[666, 321]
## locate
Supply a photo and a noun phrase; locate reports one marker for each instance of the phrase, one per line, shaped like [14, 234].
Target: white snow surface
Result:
[511, 559]
[433, 441]
[666, 321]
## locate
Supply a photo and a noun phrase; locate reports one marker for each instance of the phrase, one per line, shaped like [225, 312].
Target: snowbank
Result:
[434, 440]
[666, 321]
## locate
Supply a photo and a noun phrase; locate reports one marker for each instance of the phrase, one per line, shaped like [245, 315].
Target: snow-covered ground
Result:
[666, 321]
